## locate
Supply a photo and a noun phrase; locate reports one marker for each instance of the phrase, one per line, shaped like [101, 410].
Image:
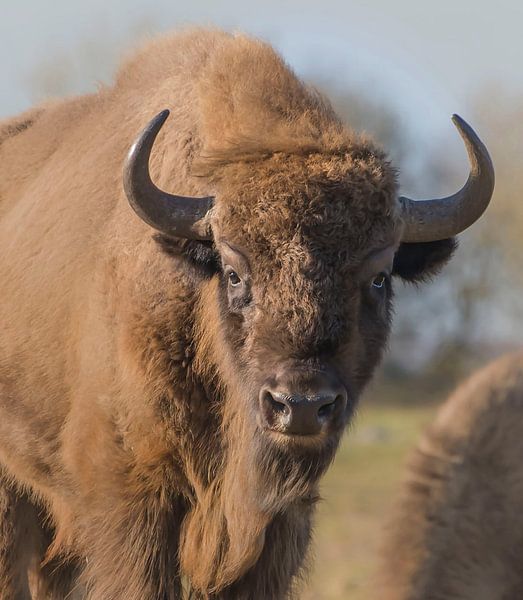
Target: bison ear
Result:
[200, 254]
[419, 261]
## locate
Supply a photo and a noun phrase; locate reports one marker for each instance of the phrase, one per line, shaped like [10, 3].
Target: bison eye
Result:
[379, 281]
[234, 279]
[238, 290]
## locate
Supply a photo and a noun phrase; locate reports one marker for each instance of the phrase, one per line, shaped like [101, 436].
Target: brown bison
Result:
[173, 387]
[458, 530]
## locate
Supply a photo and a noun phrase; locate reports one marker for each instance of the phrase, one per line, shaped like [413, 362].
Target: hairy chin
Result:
[286, 470]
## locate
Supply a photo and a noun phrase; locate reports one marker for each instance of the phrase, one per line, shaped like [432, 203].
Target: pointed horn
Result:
[177, 216]
[441, 218]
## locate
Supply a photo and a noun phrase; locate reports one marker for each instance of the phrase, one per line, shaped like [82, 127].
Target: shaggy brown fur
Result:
[458, 531]
[129, 379]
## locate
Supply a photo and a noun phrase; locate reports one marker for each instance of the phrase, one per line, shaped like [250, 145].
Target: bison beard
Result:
[173, 388]
[258, 514]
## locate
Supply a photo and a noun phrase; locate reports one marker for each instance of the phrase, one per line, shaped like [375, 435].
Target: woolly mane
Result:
[240, 83]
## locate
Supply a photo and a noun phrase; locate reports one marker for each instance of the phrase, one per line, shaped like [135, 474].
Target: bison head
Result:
[298, 251]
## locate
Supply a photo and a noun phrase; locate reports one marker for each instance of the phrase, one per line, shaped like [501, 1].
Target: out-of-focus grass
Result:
[358, 491]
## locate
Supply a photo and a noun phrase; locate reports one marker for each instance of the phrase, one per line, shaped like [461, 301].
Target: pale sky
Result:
[427, 60]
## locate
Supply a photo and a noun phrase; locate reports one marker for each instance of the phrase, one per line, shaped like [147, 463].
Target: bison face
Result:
[306, 248]
[306, 330]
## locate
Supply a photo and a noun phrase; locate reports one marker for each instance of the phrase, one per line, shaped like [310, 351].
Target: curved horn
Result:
[441, 218]
[177, 216]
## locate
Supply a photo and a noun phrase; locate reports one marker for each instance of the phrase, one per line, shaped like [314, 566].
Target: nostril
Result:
[274, 409]
[327, 410]
[277, 407]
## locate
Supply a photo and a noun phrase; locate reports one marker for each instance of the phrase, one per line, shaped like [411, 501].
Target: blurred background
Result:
[397, 70]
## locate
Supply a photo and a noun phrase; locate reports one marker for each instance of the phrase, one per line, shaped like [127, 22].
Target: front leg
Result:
[131, 550]
[17, 547]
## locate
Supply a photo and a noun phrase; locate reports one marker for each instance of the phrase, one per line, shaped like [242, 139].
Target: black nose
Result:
[302, 414]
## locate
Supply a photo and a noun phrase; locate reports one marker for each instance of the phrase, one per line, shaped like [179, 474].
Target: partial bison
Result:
[458, 529]
[172, 390]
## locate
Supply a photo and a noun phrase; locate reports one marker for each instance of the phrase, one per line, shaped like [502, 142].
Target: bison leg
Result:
[55, 579]
[23, 542]
[132, 554]
[16, 544]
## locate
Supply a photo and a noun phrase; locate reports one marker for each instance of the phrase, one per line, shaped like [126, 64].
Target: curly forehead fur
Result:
[334, 200]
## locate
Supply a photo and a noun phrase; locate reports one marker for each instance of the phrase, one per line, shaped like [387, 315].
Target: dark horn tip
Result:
[157, 122]
[162, 116]
[469, 135]
[441, 218]
[465, 130]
